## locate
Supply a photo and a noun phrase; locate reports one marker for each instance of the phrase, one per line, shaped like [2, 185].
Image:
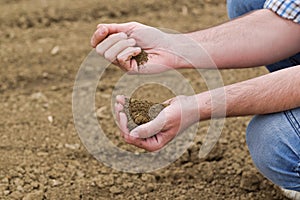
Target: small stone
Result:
[55, 50]
[6, 192]
[36, 195]
[18, 182]
[15, 195]
[35, 185]
[38, 96]
[56, 183]
[150, 187]
[3, 187]
[54, 88]
[102, 113]
[115, 190]
[50, 119]
[72, 146]
[45, 75]
[184, 10]
[27, 188]
[144, 177]
[20, 170]
[20, 188]
[250, 181]
[130, 185]
[188, 165]
[5, 180]
[143, 190]
[80, 174]
[42, 154]
[100, 184]
[109, 181]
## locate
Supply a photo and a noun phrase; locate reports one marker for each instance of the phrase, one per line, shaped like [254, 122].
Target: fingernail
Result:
[134, 134]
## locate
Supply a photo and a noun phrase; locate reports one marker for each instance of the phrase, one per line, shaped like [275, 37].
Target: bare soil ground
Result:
[42, 44]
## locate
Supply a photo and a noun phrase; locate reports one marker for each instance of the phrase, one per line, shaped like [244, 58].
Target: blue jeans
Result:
[236, 8]
[274, 139]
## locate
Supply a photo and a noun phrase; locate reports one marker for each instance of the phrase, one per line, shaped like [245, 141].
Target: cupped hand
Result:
[181, 113]
[118, 43]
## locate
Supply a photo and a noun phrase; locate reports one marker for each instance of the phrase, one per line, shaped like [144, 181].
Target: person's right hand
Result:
[118, 43]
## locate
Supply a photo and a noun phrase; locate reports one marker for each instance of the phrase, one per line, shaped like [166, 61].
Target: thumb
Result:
[151, 128]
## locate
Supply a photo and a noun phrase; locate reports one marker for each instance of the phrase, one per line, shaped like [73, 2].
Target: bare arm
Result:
[270, 93]
[259, 38]
[256, 39]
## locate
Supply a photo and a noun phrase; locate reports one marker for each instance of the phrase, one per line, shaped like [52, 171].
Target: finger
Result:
[124, 58]
[109, 42]
[151, 128]
[169, 101]
[125, 131]
[117, 114]
[120, 99]
[123, 123]
[151, 144]
[99, 35]
[118, 109]
[112, 53]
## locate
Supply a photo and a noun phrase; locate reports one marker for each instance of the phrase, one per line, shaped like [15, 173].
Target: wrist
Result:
[189, 52]
[204, 105]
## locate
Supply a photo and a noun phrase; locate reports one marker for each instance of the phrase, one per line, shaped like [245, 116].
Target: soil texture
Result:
[141, 58]
[42, 45]
[139, 112]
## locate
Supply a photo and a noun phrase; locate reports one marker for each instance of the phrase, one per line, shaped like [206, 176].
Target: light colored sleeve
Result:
[288, 9]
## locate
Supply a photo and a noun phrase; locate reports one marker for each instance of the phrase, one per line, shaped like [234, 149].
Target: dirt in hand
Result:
[139, 112]
[141, 58]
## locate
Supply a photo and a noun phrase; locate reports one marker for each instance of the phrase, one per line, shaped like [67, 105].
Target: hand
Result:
[154, 135]
[118, 43]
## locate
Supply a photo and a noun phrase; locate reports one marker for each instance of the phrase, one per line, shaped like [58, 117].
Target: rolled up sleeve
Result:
[288, 9]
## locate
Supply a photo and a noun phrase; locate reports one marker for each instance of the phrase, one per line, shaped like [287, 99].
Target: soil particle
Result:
[250, 181]
[35, 195]
[139, 112]
[141, 58]
[115, 190]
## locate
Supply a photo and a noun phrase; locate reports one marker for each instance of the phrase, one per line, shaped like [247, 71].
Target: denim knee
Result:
[238, 8]
[289, 62]
[275, 148]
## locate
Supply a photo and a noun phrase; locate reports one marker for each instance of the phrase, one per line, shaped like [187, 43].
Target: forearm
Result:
[270, 93]
[259, 38]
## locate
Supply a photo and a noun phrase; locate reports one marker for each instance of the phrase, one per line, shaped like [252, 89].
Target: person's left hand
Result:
[154, 135]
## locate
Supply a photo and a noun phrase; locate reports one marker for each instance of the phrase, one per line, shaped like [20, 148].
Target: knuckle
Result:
[121, 60]
[134, 23]
[109, 56]
[99, 50]
[117, 36]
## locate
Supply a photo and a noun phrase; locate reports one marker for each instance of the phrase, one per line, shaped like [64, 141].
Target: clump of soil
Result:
[139, 112]
[141, 58]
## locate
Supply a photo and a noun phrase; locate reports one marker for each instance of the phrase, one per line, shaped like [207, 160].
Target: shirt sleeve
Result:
[288, 9]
